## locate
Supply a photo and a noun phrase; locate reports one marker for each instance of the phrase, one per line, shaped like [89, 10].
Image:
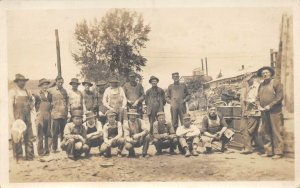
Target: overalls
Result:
[113, 132]
[116, 101]
[22, 110]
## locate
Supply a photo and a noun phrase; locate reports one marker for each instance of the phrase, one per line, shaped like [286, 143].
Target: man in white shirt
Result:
[75, 96]
[114, 99]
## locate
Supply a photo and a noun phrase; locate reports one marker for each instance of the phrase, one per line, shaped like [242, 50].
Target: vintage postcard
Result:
[102, 92]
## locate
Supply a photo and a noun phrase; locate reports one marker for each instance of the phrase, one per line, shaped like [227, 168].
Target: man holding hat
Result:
[75, 136]
[59, 111]
[75, 96]
[155, 100]
[94, 134]
[114, 98]
[164, 134]
[135, 94]
[89, 97]
[112, 135]
[100, 108]
[43, 118]
[177, 96]
[136, 134]
[214, 129]
[188, 135]
[269, 101]
[21, 102]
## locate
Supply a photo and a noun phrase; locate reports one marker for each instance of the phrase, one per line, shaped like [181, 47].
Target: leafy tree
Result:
[111, 46]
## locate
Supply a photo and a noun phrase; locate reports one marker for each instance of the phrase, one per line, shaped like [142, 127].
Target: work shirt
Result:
[114, 98]
[132, 128]
[270, 93]
[89, 100]
[159, 129]
[178, 94]
[155, 100]
[191, 131]
[71, 131]
[134, 92]
[112, 131]
[75, 100]
[59, 99]
[213, 125]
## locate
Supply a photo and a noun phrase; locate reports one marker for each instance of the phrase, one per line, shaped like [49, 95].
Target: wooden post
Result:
[58, 53]
[202, 64]
[206, 66]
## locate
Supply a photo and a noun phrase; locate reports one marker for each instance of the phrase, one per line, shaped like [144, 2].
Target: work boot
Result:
[194, 153]
[266, 155]
[277, 156]
[172, 152]
[119, 154]
[158, 152]
[208, 150]
[131, 153]
[187, 152]
[245, 152]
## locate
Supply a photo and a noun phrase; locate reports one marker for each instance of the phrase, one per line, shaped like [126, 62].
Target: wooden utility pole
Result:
[58, 53]
[206, 66]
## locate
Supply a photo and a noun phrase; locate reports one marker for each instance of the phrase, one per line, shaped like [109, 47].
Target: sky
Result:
[179, 38]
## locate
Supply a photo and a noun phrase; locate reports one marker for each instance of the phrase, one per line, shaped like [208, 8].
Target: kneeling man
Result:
[164, 134]
[75, 136]
[188, 136]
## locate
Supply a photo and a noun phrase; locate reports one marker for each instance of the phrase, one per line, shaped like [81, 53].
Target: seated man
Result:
[188, 136]
[164, 134]
[136, 134]
[215, 132]
[94, 137]
[112, 135]
[74, 136]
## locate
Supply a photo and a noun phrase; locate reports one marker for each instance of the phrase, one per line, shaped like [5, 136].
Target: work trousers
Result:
[119, 143]
[74, 147]
[165, 143]
[189, 142]
[250, 131]
[95, 142]
[216, 144]
[43, 134]
[58, 126]
[142, 141]
[177, 113]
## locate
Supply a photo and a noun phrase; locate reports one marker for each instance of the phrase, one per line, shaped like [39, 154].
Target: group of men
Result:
[60, 113]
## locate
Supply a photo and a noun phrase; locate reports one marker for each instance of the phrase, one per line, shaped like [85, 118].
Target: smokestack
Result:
[206, 66]
[271, 58]
[243, 67]
[202, 64]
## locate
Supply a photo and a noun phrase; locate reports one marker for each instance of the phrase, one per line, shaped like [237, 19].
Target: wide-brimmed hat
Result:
[101, 83]
[265, 68]
[77, 113]
[153, 78]
[74, 80]
[160, 113]
[89, 115]
[132, 112]
[186, 116]
[20, 77]
[87, 82]
[175, 73]
[114, 80]
[43, 81]
[110, 113]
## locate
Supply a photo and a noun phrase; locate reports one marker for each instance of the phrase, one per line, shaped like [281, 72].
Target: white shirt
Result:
[252, 93]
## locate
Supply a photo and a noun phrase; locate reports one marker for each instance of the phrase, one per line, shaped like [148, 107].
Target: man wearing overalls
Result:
[114, 99]
[75, 96]
[269, 101]
[21, 103]
[100, 108]
[43, 118]
[89, 97]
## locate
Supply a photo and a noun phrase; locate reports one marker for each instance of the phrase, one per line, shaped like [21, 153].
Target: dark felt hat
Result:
[43, 81]
[101, 83]
[110, 113]
[160, 113]
[75, 81]
[265, 68]
[153, 78]
[175, 73]
[87, 82]
[132, 112]
[20, 77]
[77, 113]
[114, 80]
[90, 114]
[186, 116]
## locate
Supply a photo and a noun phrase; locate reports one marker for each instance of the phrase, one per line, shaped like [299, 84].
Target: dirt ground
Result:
[213, 167]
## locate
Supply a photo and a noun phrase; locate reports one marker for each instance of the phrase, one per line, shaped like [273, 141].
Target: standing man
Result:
[59, 111]
[43, 118]
[100, 108]
[114, 99]
[177, 96]
[269, 101]
[75, 96]
[75, 136]
[189, 136]
[20, 104]
[89, 97]
[164, 135]
[94, 134]
[136, 134]
[154, 100]
[251, 115]
[113, 135]
[135, 94]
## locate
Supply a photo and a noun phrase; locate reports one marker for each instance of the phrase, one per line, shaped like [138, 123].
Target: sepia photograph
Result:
[150, 94]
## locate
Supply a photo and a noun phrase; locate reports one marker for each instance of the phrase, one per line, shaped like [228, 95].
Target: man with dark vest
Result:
[94, 134]
[177, 96]
[43, 118]
[100, 108]
[59, 111]
[164, 135]
[112, 135]
[269, 101]
[75, 136]
[21, 102]
[135, 94]
[136, 134]
[155, 100]
[215, 132]
[89, 97]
